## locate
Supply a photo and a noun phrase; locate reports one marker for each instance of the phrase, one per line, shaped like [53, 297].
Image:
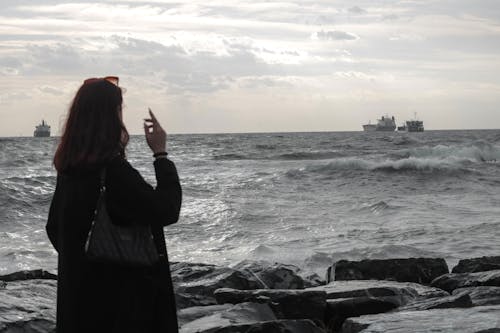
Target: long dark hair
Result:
[94, 132]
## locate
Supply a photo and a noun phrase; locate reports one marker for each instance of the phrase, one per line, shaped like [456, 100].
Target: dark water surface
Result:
[302, 198]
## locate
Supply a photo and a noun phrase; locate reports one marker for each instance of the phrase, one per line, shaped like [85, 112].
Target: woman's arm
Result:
[52, 223]
[131, 200]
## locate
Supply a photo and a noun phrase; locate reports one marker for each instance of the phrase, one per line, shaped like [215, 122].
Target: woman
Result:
[96, 297]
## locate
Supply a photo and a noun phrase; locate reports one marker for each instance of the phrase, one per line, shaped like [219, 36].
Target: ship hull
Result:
[41, 134]
[369, 128]
[385, 129]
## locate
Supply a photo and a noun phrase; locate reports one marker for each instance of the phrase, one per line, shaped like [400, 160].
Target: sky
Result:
[255, 66]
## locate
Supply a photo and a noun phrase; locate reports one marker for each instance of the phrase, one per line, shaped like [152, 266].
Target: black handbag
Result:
[121, 245]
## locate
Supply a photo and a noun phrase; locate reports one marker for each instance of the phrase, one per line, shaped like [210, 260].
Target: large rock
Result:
[481, 295]
[339, 309]
[419, 270]
[195, 284]
[244, 313]
[360, 297]
[28, 306]
[452, 281]
[475, 265]
[286, 304]
[277, 326]
[190, 314]
[454, 301]
[38, 274]
[375, 288]
[279, 276]
[468, 320]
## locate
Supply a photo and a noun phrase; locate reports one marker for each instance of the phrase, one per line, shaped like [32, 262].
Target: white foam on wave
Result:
[478, 152]
[409, 164]
[423, 159]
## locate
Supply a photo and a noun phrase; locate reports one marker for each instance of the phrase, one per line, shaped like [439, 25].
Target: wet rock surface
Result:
[244, 313]
[374, 288]
[469, 320]
[475, 265]
[481, 295]
[462, 300]
[452, 281]
[277, 326]
[286, 304]
[279, 276]
[28, 304]
[195, 284]
[419, 270]
[190, 314]
[361, 297]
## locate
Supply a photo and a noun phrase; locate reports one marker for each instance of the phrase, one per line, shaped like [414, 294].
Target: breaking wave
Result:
[441, 158]
[480, 151]
[403, 165]
[298, 155]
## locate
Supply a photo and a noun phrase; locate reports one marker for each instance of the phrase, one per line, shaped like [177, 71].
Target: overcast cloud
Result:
[238, 66]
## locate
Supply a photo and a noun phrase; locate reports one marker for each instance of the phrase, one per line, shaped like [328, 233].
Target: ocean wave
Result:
[375, 208]
[411, 164]
[480, 151]
[308, 155]
[230, 157]
[405, 141]
[291, 156]
[265, 147]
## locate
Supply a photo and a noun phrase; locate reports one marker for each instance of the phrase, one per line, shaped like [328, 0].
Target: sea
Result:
[306, 199]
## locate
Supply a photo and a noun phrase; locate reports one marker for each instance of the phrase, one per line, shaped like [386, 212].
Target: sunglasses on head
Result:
[112, 79]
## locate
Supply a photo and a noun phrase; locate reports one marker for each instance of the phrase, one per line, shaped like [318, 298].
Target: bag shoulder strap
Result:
[102, 179]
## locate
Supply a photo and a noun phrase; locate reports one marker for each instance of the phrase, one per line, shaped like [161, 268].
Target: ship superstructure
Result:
[42, 130]
[384, 124]
[415, 126]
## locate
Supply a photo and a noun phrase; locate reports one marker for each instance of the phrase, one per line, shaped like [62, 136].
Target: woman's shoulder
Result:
[119, 165]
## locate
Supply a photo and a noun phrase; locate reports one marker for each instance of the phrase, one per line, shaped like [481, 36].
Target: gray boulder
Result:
[419, 270]
[452, 281]
[277, 326]
[194, 284]
[190, 314]
[279, 276]
[244, 313]
[462, 300]
[481, 295]
[28, 306]
[339, 309]
[467, 320]
[375, 288]
[475, 265]
[286, 304]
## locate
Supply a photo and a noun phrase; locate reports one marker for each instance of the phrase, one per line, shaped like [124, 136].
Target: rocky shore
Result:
[392, 295]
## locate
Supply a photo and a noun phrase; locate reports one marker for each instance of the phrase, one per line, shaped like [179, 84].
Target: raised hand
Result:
[156, 137]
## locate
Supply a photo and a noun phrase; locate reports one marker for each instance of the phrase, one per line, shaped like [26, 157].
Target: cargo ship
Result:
[384, 124]
[415, 126]
[42, 130]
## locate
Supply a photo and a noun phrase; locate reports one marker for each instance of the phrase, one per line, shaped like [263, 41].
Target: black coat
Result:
[95, 297]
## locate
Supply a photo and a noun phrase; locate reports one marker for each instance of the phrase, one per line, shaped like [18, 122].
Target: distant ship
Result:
[42, 130]
[413, 125]
[384, 124]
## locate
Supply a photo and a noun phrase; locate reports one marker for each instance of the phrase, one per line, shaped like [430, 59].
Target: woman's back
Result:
[103, 297]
